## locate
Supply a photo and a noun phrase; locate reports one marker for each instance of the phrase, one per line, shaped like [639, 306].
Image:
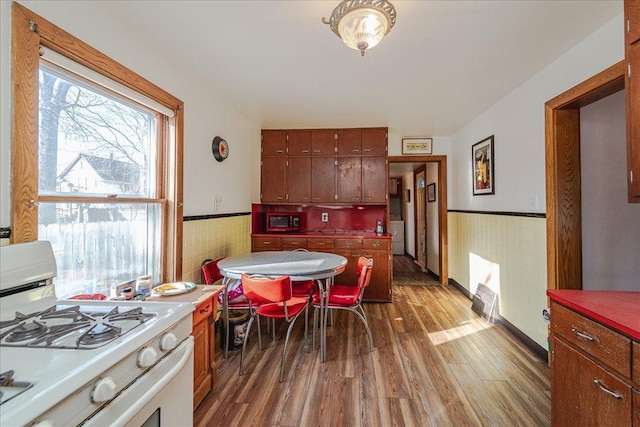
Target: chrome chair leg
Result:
[244, 344]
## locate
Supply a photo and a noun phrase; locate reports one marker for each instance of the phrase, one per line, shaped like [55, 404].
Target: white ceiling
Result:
[442, 64]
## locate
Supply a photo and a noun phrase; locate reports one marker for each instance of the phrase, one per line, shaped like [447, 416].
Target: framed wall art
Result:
[418, 146]
[483, 167]
[431, 192]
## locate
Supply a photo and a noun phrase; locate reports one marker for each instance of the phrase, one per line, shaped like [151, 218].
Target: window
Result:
[96, 166]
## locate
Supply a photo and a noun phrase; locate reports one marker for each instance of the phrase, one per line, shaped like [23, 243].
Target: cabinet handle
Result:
[582, 334]
[606, 390]
[204, 310]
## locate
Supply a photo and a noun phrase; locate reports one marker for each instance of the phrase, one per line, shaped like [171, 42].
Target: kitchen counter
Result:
[620, 310]
[199, 295]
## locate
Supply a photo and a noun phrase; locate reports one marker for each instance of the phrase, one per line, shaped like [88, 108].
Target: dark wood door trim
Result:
[443, 242]
[562, 167]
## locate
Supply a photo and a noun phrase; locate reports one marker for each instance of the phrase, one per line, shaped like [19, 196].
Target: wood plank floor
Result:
[435, 363]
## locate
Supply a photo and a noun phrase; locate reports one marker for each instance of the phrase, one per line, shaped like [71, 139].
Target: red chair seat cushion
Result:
[302, 289]
[340, 295]
[276, 310]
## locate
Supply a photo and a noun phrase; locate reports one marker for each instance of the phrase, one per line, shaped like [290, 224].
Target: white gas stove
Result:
[71, 362]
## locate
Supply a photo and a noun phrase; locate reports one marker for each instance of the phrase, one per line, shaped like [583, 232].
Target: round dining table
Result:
[299, 265]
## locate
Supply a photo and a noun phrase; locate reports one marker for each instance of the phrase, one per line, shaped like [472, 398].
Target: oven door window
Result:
[153, 420]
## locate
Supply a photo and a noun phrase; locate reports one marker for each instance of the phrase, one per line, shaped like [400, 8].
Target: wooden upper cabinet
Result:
[374, 141]
[349, 180]
[374, 179]
[323, 142]
[632, 51]
[349, 142]
[274, 143]
[299, 180]
[299, 142]
[632, 11]
[272, 179]
[323, 180]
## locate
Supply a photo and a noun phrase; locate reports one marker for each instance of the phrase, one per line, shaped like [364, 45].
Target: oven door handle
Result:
[157, 387]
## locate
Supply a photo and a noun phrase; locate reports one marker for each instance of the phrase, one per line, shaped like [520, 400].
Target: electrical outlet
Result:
[533, 201]
[325, 217]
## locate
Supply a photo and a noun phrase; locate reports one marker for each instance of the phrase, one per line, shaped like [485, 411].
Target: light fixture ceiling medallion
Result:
[361, 24]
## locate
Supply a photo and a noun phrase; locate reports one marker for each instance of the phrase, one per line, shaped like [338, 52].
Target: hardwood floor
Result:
[435, 363]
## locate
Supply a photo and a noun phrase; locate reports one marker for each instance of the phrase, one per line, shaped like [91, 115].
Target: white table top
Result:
[299, 265]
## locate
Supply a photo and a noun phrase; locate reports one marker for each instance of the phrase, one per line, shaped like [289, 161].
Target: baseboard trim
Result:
[536, 348]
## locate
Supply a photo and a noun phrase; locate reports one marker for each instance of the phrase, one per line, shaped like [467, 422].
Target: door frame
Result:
[443, 241]
[562, 167]
[416, 238]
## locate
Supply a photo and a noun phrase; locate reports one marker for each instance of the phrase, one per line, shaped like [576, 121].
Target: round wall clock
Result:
[220, 149]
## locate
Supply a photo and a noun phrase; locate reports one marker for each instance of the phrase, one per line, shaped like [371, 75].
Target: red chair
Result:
[271, 297]
[211, 275]
[342, 297]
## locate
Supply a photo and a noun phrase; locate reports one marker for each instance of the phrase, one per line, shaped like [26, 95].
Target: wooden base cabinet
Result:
[591, 372]
[204, 366]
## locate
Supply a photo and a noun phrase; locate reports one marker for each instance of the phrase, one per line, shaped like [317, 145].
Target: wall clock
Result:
[220, 149]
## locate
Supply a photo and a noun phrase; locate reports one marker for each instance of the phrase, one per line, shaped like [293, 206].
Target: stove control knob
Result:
[104, 390]
[147, 357]
[168, 342]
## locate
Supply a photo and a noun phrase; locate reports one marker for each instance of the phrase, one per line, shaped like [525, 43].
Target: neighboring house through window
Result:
[96, 162]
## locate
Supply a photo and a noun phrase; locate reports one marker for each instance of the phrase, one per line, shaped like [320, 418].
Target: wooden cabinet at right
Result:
[592, 383]
[632, 53]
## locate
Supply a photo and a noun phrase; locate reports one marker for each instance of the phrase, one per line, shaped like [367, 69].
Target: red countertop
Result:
[619, 310]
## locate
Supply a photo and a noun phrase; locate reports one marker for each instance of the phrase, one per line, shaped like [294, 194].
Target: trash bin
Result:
[238, 321]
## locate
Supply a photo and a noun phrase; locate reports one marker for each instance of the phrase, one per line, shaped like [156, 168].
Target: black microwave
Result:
[279, 222]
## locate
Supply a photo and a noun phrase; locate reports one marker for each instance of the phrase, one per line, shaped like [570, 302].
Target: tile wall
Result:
[213, 238]
[508, 254]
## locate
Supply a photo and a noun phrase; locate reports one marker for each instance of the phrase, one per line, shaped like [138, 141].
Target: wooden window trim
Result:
[29, 31]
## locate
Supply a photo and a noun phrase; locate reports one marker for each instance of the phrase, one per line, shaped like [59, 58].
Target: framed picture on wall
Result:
[408, 196]
[417, 146]
[483, 167]
[431, 192]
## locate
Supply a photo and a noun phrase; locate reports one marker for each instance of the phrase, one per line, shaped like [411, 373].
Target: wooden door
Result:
[632, 9]
[633, 123]
[374, 141]
[374, 177]
[299, 180]
[349, 180]
[299, 142]
[323, 180]
[323, 142]
[421, 218]
[273, 180]
[274, 143]
[349, 142]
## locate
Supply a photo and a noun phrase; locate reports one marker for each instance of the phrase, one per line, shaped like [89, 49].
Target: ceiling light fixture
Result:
[361, 24]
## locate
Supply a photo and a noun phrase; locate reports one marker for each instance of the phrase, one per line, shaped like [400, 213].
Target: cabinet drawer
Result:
[203, 311]
[320, 243]
[294, 242]
[267, 243]
[376, 244]
[348, 243]
[600, 342]
[635, 365]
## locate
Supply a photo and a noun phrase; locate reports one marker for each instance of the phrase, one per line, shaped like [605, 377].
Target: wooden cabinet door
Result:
[274, 143]
[374, 141]
[348, 276]
[299, 180]
[579, 391]
[633, 123]
[374, 179]
[273, 180]
[349, 142]
[323, 180]
[299, 142]
[201, 372]
[349, 180]
[632, 11]
[323, 142]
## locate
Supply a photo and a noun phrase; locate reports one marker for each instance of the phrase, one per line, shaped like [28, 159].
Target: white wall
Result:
[517, 121]
[235, 181]
[610, 225]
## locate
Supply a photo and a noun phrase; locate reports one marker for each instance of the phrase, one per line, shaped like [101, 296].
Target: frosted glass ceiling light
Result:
[361, 24]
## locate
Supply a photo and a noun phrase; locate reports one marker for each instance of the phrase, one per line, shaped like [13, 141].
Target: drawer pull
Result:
[606, 390]
[582, 334]
[204, 310]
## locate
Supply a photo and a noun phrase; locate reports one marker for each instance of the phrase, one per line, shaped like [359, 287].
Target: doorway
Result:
[441, 197]
[420, 184]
